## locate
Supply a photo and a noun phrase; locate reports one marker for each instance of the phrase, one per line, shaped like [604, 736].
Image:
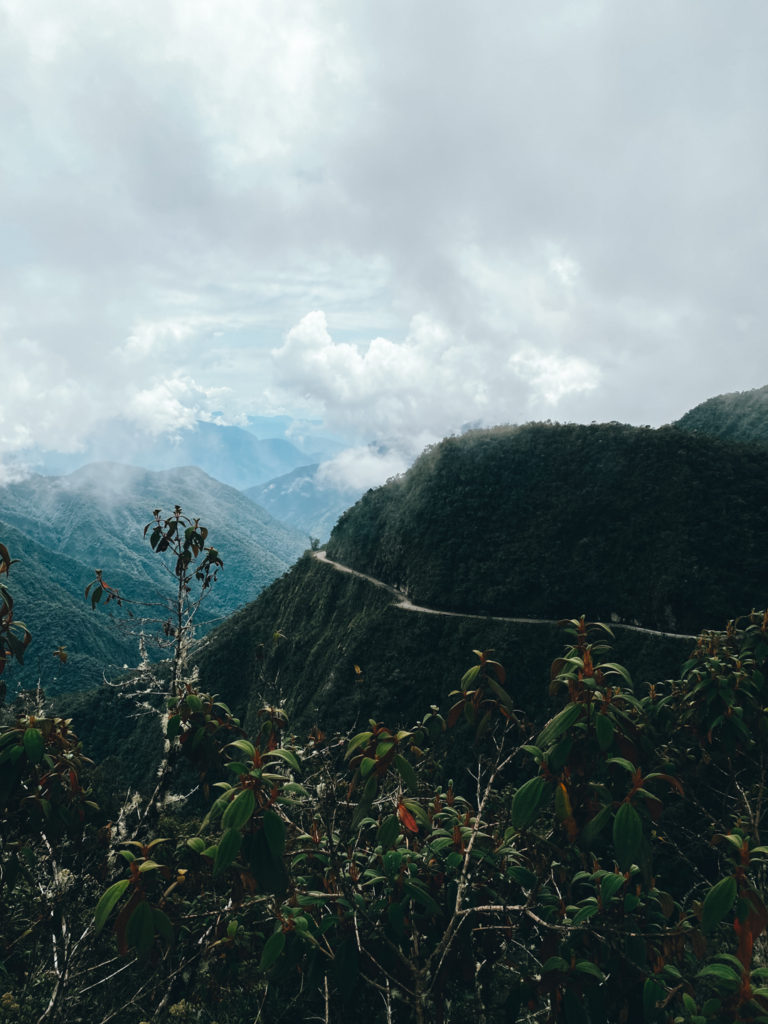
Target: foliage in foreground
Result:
[608, 867]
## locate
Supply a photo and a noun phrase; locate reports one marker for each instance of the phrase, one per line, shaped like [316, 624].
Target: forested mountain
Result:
[433, 801]
[655, 526]
[738, 416]
[63, 528]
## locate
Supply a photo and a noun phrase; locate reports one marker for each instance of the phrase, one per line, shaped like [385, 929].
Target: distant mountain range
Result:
[62, 528]
[233, 455]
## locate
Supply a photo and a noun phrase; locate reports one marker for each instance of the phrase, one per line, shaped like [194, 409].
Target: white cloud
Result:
[182, 182]
[408, 394]
[356, 469]
[169, 406]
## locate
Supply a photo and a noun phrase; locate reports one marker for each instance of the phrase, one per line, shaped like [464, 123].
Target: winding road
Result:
[401, 601]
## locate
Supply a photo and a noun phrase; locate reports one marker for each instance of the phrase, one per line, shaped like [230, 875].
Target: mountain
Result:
[62, 528]
[299, 500]
[230, 454]
[738, 416]
[655, 531]
[546, 520]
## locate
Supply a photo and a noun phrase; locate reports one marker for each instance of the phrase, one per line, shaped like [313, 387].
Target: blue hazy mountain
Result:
[234, 455]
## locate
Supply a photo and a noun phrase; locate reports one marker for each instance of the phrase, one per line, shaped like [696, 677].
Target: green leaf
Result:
[243, 745]
[149, 865]
[240, 810]
[273, 947]
[366, 766]
[285, 755]
[609, 886]
[501, 693]
[554, 963]
[196, 843]
[407, 774]
[556, 726]
[217, 807]
[717, 903]
[720, 973]
[584, 913]
[653, 993]
[163, 926]
[388, 832]
[34, 745]
[622, 762]
[610, 668]
[140, 931]
[108, 901]
[356, 742]
[587, 967]
[274, 830]
[594, 827]
[227, 850]
[469, 677]
[527, 801]
[604, 731]
[627, 836]
[417, 811]
[523, 876]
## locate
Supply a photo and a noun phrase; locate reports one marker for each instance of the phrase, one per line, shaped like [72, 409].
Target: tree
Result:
[194, 568]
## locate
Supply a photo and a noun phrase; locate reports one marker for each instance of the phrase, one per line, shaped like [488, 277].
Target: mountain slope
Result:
[549, 520]
[94, 518]
[303, 640]
[738, 416]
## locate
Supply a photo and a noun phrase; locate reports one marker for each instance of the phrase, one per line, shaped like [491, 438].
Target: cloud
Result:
[170, 406]
[356, 469]
[502, 213]
[408, 394]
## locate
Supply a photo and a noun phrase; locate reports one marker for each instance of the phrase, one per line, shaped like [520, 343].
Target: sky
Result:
[394, 219]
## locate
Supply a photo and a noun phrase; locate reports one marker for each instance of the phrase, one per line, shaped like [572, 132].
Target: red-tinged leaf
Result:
[454, 714]
[674, 783]
[408, 820]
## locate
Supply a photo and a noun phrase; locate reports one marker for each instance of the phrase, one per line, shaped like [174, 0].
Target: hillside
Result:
[738, 416]
[657, 527]
[66, 527]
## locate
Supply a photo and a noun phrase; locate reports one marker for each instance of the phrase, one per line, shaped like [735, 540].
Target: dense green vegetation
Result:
[739, 416]
[317, 814]
[300, 642]
[604, 866]
[654, 526]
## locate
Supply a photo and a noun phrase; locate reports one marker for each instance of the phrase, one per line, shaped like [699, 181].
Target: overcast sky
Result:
[396, 216]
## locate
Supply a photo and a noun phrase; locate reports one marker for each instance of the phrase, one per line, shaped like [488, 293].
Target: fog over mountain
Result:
[392, 219]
